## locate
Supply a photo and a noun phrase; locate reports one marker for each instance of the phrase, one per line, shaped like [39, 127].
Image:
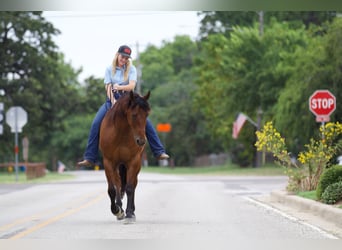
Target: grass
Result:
[8, 178]
[268, 170]
[308, 195]
[312, 196]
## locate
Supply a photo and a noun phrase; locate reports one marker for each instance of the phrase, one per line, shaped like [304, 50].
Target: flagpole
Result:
[237, 126]
[251, 121]
[259, 155]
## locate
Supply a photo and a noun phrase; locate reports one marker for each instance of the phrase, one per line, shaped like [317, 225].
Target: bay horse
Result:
[122, 141]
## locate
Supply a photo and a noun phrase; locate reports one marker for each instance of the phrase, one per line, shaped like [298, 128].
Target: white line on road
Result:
[258, 203]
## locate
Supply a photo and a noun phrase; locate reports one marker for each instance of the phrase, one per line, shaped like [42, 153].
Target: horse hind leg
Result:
[123, 177]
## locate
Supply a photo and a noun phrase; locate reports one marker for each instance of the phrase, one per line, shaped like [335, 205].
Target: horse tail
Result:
[123, 175]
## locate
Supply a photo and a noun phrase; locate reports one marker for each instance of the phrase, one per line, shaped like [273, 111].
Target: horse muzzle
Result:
[140, 141]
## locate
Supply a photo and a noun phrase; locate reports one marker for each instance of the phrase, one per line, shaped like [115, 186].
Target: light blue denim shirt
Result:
[119, 75]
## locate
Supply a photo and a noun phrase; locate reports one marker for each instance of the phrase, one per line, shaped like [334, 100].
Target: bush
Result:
[330, 175]
[333, 193]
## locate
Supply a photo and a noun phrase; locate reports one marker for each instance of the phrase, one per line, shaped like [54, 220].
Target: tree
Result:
[161, 65]
[320, 68]
[35, 76]
[243, 73]
[222, 22]
[171, 100]
[156, 68]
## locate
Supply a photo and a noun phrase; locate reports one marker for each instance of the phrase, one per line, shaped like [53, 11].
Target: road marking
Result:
[292, 218]
[38, 216]
[57, 217]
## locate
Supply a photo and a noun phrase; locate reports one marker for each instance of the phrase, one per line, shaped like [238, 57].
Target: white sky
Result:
[90, 39]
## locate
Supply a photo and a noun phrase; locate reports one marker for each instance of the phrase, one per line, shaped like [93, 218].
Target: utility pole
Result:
[261, 22]
[259, 157]
[139, 69]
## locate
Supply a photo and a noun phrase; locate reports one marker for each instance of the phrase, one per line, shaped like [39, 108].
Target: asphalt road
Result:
[167, 207]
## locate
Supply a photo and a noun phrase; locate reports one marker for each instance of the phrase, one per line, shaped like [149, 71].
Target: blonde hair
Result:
[115, 64]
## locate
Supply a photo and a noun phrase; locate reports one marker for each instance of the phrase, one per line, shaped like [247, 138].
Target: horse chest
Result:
[127, 153]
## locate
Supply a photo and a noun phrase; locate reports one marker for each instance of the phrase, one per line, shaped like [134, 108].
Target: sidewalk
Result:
[322, 215]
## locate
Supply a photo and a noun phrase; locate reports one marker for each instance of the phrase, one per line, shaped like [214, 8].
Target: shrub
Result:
[330, 175]
[333, 193]
[313, 161]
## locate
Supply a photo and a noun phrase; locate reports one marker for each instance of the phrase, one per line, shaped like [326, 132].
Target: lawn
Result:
[268, 170]
[308, 195]
[312, 196]
[6, 178]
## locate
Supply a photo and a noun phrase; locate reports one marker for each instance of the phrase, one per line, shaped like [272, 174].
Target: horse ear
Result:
[147, 95]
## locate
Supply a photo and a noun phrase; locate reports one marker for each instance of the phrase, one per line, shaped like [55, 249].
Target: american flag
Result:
[237, 125]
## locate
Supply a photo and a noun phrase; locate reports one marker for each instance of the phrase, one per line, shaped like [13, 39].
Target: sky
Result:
[91, 39]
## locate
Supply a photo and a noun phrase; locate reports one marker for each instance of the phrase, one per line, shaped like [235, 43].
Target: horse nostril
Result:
[141, 142]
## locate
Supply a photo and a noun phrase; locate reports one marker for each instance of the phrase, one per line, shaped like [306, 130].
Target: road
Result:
[167, 207]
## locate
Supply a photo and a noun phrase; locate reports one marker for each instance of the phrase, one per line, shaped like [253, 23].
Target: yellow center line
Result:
[41, 214]
[57, 217]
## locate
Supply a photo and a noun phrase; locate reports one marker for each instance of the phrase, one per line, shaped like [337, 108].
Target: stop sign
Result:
[322, 103]
[16, 117]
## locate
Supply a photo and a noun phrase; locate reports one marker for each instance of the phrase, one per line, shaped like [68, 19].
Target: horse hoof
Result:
[129, 219]
[120, 215]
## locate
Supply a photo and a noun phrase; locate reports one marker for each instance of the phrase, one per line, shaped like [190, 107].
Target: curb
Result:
[324, 211]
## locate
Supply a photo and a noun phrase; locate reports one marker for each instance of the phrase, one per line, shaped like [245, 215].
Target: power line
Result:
[68, 14]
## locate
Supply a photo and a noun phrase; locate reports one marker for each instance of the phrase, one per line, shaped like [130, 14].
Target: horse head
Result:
[137, 112]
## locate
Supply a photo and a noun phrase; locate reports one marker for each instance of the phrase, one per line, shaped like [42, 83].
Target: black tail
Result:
[123, 174]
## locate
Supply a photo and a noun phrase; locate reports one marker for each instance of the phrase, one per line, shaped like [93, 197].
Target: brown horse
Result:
[122, 141]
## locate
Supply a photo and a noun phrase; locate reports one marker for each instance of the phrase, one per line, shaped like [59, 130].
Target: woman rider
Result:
[120, 77]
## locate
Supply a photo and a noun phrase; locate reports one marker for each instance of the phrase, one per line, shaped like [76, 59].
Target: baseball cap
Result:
[125, 51]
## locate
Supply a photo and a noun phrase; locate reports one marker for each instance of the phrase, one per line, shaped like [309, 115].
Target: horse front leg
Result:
[115, 207]
[113, 192]
[132, 181]
[130, 191]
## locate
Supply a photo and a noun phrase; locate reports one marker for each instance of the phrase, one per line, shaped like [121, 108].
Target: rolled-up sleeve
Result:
[108, 74]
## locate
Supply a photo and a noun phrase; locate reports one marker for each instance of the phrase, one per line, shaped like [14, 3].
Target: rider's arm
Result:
[130, 86]
[132, 79]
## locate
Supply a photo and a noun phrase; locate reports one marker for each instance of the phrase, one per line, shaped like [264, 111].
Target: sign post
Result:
[1, 117]
[16, 118]
[322, 104]
[164, 128]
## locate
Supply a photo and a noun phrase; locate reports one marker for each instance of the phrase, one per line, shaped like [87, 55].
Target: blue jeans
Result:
[91, 152]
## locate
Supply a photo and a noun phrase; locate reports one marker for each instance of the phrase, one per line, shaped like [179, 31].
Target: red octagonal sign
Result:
[322, 103]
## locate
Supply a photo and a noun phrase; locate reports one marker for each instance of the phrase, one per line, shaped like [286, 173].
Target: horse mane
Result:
[129, 100]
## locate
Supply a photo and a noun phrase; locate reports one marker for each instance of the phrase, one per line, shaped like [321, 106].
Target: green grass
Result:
[312, 196]
[308, 195]
[269, 170]
[233, 170]
[6, 178]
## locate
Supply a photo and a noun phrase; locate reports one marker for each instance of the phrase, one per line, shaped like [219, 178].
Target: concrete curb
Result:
[326, 212]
